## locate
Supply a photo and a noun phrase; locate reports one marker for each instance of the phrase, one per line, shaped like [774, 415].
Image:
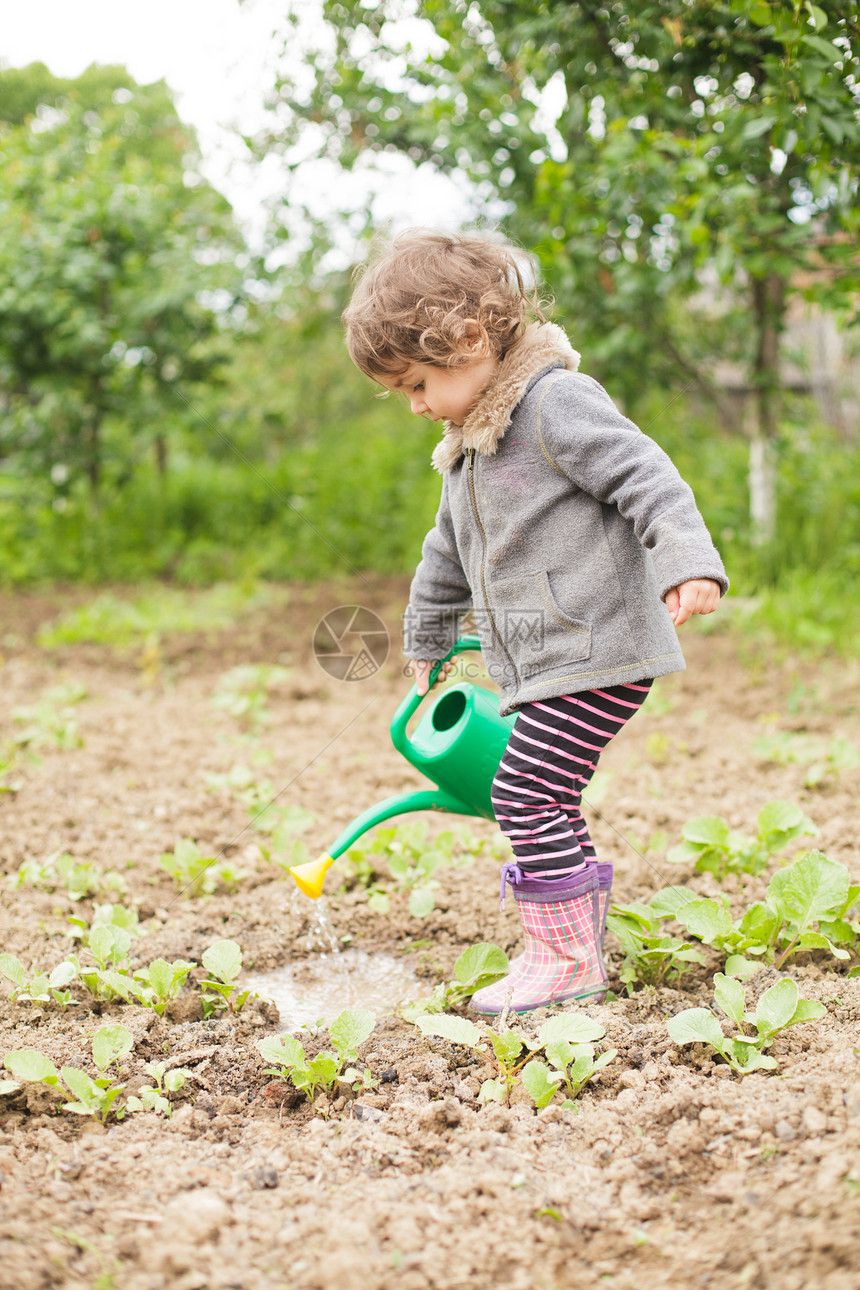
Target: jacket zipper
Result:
[471, 452]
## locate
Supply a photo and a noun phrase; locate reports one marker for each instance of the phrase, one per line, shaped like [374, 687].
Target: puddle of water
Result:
[319, 989]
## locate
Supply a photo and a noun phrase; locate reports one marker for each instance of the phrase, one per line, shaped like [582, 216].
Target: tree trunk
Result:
[161, 454]
[769, 310]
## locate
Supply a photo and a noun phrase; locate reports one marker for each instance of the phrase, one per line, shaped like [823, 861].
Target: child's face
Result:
[444, 393]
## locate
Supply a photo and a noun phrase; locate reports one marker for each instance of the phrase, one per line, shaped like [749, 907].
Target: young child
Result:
[572, 537]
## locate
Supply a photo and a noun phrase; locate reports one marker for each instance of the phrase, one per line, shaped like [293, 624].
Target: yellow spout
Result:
[311, 876]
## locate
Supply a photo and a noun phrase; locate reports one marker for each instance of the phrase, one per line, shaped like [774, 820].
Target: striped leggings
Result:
[550, 758]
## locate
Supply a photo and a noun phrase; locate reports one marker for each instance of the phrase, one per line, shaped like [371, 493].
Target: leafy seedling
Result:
[41, 987]
[824, 759]
[242, 693]
[509, 1050]
[93, 1097]
[778, 1008]
[651, 956]
[320, 1073]
[223, 961]
[567, 1041]
[159, 984]
[154, 1097]
[196, 874]
[713, 847]
[79, 878]
[51, 722]
[479, 965]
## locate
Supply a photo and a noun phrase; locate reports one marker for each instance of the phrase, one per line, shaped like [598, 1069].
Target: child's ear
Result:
[475, 336]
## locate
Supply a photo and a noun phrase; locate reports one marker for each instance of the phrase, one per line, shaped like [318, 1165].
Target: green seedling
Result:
[567, 1042]
[223, 961]
[479, 965]
[824, 759]
[93, 1097]
[108, 945]
[242, 692]
[103, 916]
[713, 847]
[52, 721]
[42, 987]
[154, 1097]
[80, 878]
[196, 874]
[320, 1073]
[412, 859]
[109, 619]
[159, 984]
[778, 1008]
[651, 957]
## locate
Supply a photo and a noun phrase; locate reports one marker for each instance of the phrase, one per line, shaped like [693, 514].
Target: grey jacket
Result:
[563, 526]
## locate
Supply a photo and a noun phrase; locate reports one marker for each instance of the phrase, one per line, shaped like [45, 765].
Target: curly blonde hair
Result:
[412, 303]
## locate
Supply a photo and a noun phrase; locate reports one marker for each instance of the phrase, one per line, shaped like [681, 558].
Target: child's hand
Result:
[698, 596]
[421, 668]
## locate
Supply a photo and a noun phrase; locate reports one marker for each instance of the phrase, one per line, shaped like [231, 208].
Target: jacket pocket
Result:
[538, 634]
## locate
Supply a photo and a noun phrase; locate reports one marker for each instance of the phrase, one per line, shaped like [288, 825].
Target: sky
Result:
[218, 57]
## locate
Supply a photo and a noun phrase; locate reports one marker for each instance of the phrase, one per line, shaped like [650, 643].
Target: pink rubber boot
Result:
[561, 958]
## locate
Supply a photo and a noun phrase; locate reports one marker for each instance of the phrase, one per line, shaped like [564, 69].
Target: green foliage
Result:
[824, 759]
[93, 1097]
[413, 858]
[242, 692]
[479, 965]
[223, 961]
[716, 848]
[59, 870]
[311, 1075]
[565, 1039]
[122, 622]
[808, 906]
[110, 243]
[40, 987]
[51, 722]
[157, 985]
[651, 956]
[778, 1008]
[196, 874]
[108, 944]
[154, 1097]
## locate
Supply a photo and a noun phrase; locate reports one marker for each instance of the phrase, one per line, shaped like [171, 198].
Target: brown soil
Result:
[671, 1172]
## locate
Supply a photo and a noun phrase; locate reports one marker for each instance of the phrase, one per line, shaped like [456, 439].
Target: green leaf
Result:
[707, 830]
[507, 1046]
[574, 1027]
[481, 961]
[729, 995]
[283, 1050]
[323, 1069]
[62, 975]
[82, 1086]
[811, 888]
[758, 126]
[224, 960]
[351, 1029]
[708, 920]
[760, 14]
[109, 1044]
[30, 1065]
[776, 1007]
[824, 47]
[670, 900]
[422, 901]
[779, 817]
[741, 968]
[560, 1053]
[807, 1010]
[459, 1030]
[696, 1026]
[12, 967]
[540, 1083]
[493, 1090]
[744, 1056]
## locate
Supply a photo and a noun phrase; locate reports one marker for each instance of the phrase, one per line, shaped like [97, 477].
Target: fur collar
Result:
[541, 346]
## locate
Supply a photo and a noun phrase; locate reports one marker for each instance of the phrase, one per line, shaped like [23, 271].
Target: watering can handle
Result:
[413, 700]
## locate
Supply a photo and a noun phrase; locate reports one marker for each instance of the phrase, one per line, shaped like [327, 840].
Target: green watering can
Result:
[458, 745]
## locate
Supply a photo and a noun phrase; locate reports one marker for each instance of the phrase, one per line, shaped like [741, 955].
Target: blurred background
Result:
[185, 187]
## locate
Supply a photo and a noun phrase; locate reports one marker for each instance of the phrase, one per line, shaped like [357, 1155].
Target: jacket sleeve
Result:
[440, 593]
[586, 438]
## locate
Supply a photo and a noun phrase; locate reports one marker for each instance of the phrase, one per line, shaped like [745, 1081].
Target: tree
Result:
[114, 254]
[640, 147]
